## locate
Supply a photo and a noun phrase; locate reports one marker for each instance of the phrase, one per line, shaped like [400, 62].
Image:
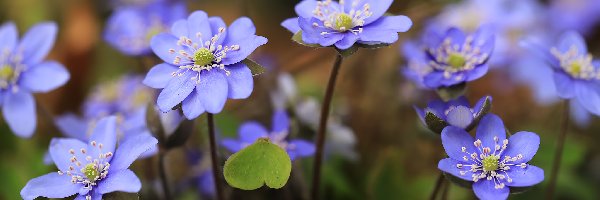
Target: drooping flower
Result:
[130, 28]
[492, 162]
[456, 112]
[23, 71]
[345, 23]
[203, 63]
[91, 169]
[576, 73]
[456, 57]
[249, 132]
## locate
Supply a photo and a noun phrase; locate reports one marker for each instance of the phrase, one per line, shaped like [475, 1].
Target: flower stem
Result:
[559, 150]
[214, 156]
[438, 185]
[163, 174]
[323, 127]
[446, 190]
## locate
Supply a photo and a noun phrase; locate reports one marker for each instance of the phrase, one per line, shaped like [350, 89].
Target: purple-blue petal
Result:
[249, 132]
[104, 133]
[525, 177]
[449, 165]
[38, 42]
[305, 8]
[479, 105]
[524, 143]
[51, 185]
[8, 36]
[198, 23]
[489, 127]
[460, 116]
[232, 145]
[385, 30]
[301, 148]
[59, 151]
[44, 77]
[129, 150]
[162, 43]
[477, 73]
[347, 42]
[377, 8]
[241, 29]
[122, 181]
[215, 24]
[454, 139]
[564, 85]
[291, 25]
[19, 112]
[281, 121]
[72, 126]
[485, 189]
[192, 106]
[178, 88]
[212, 90]
[159, 76]
[588, 95]
[247, 45]
[570, 40]
[240, 81]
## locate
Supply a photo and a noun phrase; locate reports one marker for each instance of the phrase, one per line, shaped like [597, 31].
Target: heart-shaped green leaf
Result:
[260, 163]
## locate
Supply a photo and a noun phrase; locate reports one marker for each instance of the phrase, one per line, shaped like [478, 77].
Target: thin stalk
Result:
[559, 150]
[446, 190]
[323, 127]
[214, 156]
[438, 185]
[163, 174]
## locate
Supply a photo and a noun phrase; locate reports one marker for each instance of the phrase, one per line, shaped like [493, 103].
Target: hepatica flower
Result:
[249, 132]
[346, 22]
[457, 57]
[576, 73]
[203, 63]
[492, 162]
[23, 72]
[130, 28]
[91, 169]
[456, 112]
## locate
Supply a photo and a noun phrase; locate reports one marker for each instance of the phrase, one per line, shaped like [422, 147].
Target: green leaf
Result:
[347, 52]
[434, 123]
[452, 92]
[260, 163]
[298, 39]
[255, 68]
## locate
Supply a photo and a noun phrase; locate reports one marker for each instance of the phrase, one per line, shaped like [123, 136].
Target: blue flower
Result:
[456, 57]
[417, 66]
[345, 23]
[492, 162]
[249, 132]
[130, 29]
[576, 73]
[456, 112]
[579, 15]
[23, 71]
[91, 169]
[203, 63]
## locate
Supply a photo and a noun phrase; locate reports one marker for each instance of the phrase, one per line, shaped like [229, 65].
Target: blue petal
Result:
[564, 85]
[240, 81]
[524, 143]
[8, 37]
[377, 8]
[453, 139]
[123, 181]
[533, 45]
[433, 79]
[484, 39]
[588, 95]
[51, 185]
[215, 24]
[301, 148]
[437, 107]
[95, 196]
[129, 150]
[192, 106]
[59, 151]
[460, 101]
[150, 152]
[281, 122]
[176, 91]
[72, 126]
[456, 36]
[179, 28]
[449, 165]
[478, 106]
[159, 76]
[347, 42]
[19, 112]
[44, 77]
[305, 8]
[580, 115]
[291, 25]
[312, 34]
[104, 133]
[460, 117]
[477, 73]
[198, 23]
[486, 190]
[525, 177]
[570, 40]
[247, 46]
[38, 41]
[249, 132]
[240, 29]
[232, 145]
[385, 30]
[212, 90]
[489, 127]
[124, 26]
[162, 43]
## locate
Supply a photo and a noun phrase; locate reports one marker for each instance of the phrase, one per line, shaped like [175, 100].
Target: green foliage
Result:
[255, 68]
[260, 163]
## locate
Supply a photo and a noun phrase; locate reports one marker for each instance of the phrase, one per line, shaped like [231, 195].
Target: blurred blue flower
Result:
[492, 162]
[23, 71]
[249, 132]
[456, 57]
[576, 74]
[417, 66]
[456, 112]
[345, 23]
[93, 169]
[130, 29]
[206, 184]
[579, 15]
[203, 64]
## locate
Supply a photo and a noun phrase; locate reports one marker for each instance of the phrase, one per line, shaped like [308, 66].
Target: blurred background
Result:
[377, 149]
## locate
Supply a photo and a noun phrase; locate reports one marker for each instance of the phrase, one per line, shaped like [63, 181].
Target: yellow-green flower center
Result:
[490, 163]
[343, 22]
[203, 56]
[456, 60]
[575, 68]
[7, 72]
[90, 171]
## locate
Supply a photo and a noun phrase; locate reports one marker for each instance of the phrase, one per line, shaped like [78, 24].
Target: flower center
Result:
[456, 60]
[90, 171]
[576, 65]
[7, 73]
[203, 56]
[343, 22]
[490, 163]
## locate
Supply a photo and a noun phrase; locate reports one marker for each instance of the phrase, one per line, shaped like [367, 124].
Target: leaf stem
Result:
[438, 185]
[323, 126]
[559, 150]
[163, 174]
[214, 156]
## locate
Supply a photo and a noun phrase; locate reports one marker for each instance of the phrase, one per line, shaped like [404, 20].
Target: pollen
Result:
[203, 56]
[490, 163]
[343, 22]
[456, 60]
[90, 171]
[7, 72]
